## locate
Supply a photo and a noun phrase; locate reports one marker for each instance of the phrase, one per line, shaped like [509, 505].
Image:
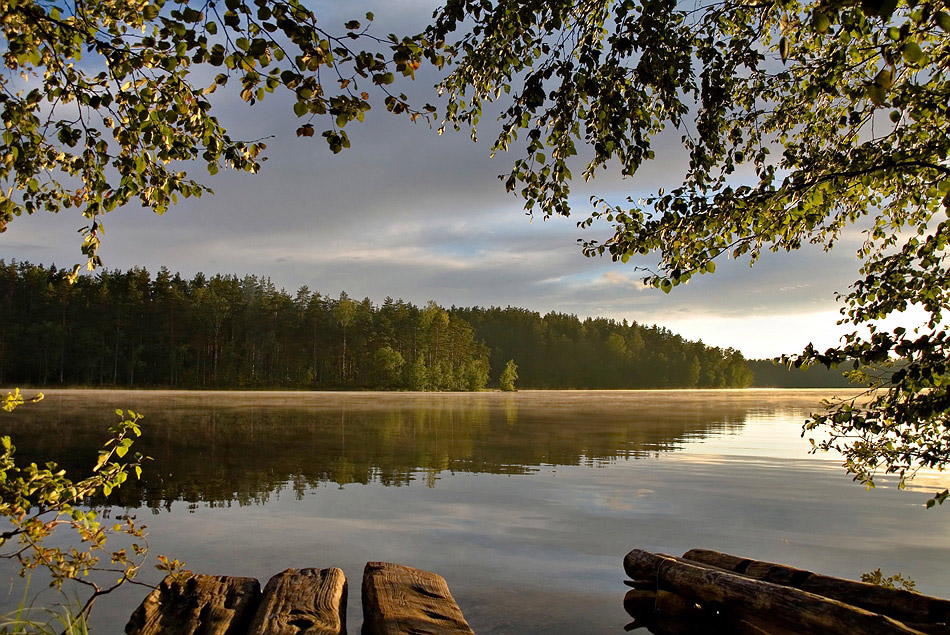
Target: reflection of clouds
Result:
[535, 556]
[774, 432]
[617, 502]
[622, 499]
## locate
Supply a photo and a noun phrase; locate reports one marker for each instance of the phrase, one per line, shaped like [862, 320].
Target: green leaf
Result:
[885, 78]
[103, 457]
[911, 52]
[877, 94]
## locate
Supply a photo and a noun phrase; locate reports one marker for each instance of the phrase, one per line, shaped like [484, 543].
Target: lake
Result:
[525, 502]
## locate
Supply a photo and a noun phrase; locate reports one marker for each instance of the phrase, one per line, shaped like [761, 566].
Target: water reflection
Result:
[535, 546]
[223, 448]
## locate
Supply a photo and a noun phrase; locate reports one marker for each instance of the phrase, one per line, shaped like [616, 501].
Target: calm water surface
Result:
[525, 503]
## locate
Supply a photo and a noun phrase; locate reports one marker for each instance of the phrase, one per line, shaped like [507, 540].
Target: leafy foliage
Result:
[800, 120]
[36, 501]
[14, 399]
[508, 376]
[100, 104]
[896, 581]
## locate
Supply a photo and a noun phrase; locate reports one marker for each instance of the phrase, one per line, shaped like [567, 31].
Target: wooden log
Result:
[900, 604]
[400, 600]
[786, 607]
[197, 605]
[302, 602]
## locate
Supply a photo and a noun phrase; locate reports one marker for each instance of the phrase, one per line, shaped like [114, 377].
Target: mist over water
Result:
[524, 502]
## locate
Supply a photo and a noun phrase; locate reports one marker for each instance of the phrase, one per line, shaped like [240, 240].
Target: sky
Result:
[409, 214]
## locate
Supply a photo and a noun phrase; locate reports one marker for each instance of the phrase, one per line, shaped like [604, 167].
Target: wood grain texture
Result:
[302, 602]
[197, 605]
[897, 603]
[400, 600]
[786, 607]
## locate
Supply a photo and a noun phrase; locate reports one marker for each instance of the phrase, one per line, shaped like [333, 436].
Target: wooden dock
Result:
[702, 593]
[397, 600]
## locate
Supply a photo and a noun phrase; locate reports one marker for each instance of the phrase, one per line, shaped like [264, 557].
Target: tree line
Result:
[132, 329]
[558, 350]
[769, 374]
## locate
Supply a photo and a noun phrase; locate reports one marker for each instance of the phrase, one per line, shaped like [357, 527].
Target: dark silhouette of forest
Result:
[130, 329]
[558, 350]
[769, 374]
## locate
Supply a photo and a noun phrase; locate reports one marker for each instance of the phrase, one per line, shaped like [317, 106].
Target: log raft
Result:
[906, 606]
[707, 591]
[397, 600]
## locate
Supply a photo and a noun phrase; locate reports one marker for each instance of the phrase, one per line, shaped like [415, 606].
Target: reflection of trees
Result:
[235, 447]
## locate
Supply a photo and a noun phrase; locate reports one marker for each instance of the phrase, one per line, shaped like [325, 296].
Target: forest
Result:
[132, 329]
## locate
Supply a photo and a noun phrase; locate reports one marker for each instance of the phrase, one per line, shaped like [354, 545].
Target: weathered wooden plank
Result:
[787, 607]
[897, 603]
[196, 605]
[302, 602]
[400, 600]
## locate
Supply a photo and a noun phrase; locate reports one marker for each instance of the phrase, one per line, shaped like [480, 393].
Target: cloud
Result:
[407, 213]
[616, 278]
